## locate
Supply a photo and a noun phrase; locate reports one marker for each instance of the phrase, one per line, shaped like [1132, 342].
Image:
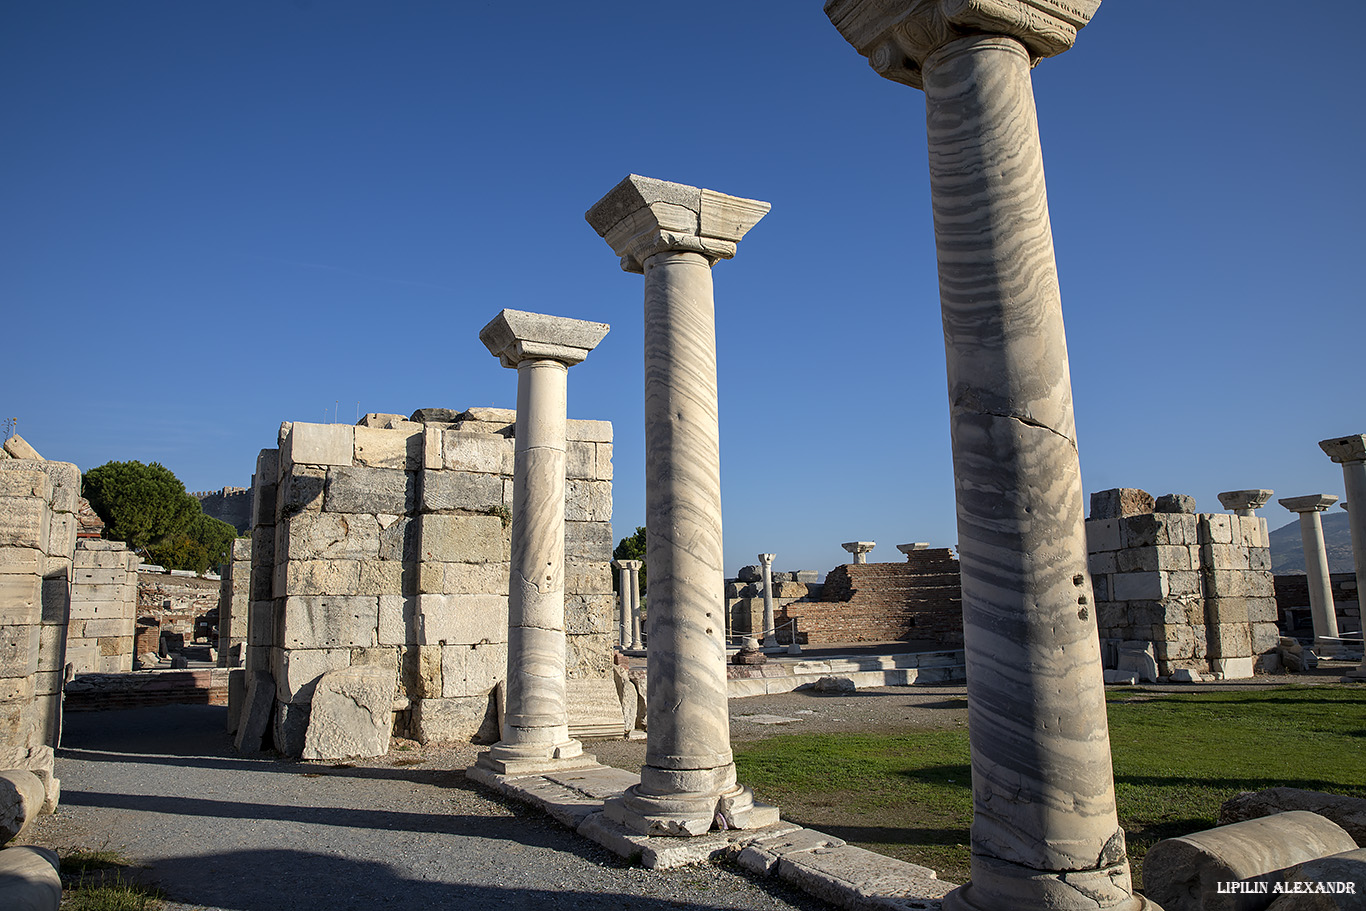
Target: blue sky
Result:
[221, 216]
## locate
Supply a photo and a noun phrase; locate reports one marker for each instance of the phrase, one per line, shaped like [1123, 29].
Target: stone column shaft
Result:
[624, 589]
[1321, 607]
[770, 619]
[1350, 453]
[637, 642]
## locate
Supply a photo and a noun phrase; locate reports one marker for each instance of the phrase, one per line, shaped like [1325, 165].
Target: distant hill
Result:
[1287, 554]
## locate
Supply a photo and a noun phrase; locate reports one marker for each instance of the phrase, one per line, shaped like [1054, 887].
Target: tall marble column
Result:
[770, 619]
[1245, 503]
[674, 234]
[1350, 453]
[535, 734]
[1321, 606]
[624, 589]
[1045, 834]
[633, 570]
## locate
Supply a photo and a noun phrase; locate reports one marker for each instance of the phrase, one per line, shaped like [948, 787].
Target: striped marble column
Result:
[535, 734]
[674, 234]
[1350, 453]
[770, 618]
[1321, 607]
[1045, 834]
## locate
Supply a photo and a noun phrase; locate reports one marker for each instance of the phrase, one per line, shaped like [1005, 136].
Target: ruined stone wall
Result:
[104, 601]
[1197, 587]
[391, 544]
[38, 502]
[231, 505]
[234, 595]
[884, 602]
[171, 602]
[1292, 596]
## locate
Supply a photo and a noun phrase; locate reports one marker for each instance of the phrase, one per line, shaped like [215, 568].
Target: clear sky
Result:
[216, 217]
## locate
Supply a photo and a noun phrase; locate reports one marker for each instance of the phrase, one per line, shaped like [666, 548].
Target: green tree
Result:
[631, 548]
[203, 543]
[140, 504]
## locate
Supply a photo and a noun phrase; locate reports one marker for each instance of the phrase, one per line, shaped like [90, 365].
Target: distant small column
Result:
[633, 578]
[624, 589]
[535, 734]
[1316, 562]
[909, 549]
[1350, 453]
[859, 549]
[1244, 502]
[770, 619]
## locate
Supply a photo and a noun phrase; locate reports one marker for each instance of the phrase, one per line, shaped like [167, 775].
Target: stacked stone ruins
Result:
[1193, 591]
[234, 600]
[1350, 453]
[387, 544]
[104, 607]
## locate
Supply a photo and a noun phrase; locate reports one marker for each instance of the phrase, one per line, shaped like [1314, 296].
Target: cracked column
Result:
[770, 619]
[1245, 503]
[1350, 453]
[1321, 606]
[674, 234]
[535, 735]
[859, 549]
[633, 578]
[624, 588]
[1044, 833]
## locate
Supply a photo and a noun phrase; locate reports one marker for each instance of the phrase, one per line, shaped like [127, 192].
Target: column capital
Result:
[909, 549]
[859, 549]
[1245, 499]
[766, 559]
[1345, 449]
[897, 35]
[641, 216]
[514, 336]
[631, 565]
[1315, 503]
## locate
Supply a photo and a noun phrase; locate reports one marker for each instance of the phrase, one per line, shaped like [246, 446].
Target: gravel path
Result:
[221, 832]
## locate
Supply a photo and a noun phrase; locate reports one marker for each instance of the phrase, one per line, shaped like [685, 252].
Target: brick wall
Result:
[1292, 594]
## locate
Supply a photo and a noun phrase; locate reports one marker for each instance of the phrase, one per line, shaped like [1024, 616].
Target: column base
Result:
[688, 815]
[535, 758]
[1000, 886]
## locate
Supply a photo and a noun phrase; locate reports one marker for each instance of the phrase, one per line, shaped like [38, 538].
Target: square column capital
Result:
[514, 336]
[642, 216]
[897, 35]
[1245, 499]
[1313, 503]
[1345, 449]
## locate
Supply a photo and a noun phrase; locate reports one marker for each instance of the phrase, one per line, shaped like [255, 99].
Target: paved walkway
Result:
[222, 832]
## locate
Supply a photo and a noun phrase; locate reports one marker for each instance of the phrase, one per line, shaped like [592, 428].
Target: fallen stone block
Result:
[1334, 883]
[834, 685]
[1183, 874]
[29, 880]
[1348, 812]
[21, 800]
[762, 854]
[352, 714]
[256, 712]
[856, 878]
[664, 852]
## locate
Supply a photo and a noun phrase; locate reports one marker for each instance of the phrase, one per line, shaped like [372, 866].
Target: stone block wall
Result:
[38, 502]
[389, 545]
[104, 601]
[1198, 587]
[882, 602]
[234, 596]
[1292, 603]
[231, 505]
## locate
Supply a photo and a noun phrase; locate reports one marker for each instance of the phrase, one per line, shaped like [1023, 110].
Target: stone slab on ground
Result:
[663, 852]
[856, 878]
[29, 880]
[1334, 883]
[352, 714]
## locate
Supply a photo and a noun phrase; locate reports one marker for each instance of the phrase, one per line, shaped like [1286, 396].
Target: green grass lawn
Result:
[1177, 757]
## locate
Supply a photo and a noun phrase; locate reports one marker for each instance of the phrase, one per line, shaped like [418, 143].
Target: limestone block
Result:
[301, 490]
[21, 599]
[420, 671]
[1139, 586]
[21, 560]
[1175, 503]
[254, 720]
[18, 651]
[319, 577]
[443, 490]
[1138, 657]
[464, 539]
[61, 533]
[587, 578]
[460, 719]
[1182, 874]
[1120, 502]
[486, 453]
[604, 461]
[351, 714]
[1175, 557]
[370, 490]
[1226, 610]
[289, 727]
[115, 626]
[472, 670]
[319, 444]
[262, 563]
[588, 541]
[1261, 610]
[461, 619]
[261, 623]
[589, 614]
[29, 878]
[18, 689]
[789, 591]
[588, 501]
[1348, 812]
[588, 656]
[470, 578]
[855, 877]
[580, 463]
[383, 578]
[588, 431]
[1334, 883]
[330, 621]
[1264, 637]
[1179, 644]
[296, 671]
[24, 482]
[332, 536]
[1228, 640]
[432, 445]
[397, 619]
[397, 538]
[23, 523]
[1226, 556]
[390, 448]
[1143, 531]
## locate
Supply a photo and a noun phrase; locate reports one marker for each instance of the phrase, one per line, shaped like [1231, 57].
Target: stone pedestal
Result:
[1045, 833]
[1350, 453]
[859, 549]
[535, 734]
[674, 234]
[1245, 502]
[770, 619]
[1316, 563]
